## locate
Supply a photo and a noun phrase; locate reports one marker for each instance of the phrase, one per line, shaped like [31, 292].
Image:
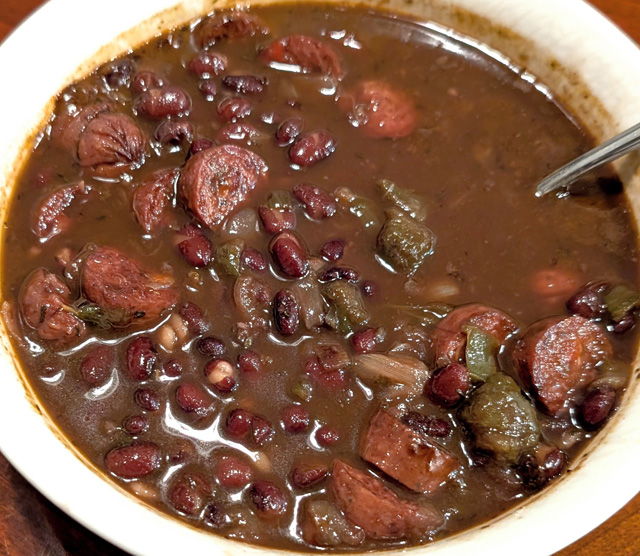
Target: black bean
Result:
[245, 84]
[286, 313]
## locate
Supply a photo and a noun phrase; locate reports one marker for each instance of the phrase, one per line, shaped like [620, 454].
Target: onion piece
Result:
[308, 294]
[396, 368]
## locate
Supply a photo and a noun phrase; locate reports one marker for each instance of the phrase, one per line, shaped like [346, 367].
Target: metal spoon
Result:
[615, 147]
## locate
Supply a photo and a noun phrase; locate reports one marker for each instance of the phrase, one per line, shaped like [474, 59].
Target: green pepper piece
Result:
[280, 199]
[361, 208]
[229, 255]
[480, 353]
[620, 300]
[428, 315]
[404, 199]
[404, 243]
[347, 309]
[102, 318]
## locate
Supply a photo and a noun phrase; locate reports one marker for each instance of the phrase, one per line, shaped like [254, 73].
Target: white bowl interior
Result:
[583, 58]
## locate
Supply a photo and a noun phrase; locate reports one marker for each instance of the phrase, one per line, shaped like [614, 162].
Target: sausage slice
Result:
[215, 181]
[152, 197]
[119, 285]
[310, 55]
[228, 25]
[407, 456]
[49, 217]
[367, 503]
[558, 355]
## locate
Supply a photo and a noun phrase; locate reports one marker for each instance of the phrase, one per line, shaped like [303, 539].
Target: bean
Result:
[332, 250]
[220, 373]
[200, 144]
[172, 368]
[370, 288]
[193, 399]
[295, 418]
[133, 461]
[145, 80]
[215, 516]
[448, 385]
[141, 357]
[289, 254]
[339, 273]
[431, 426]
[311, 148]
[626, 323]
[268, 499]
[208, 88]
[233, 473]
[97, 365]
[193, 316]
[173, 132]
[206, 64]
[232, 109]
[261, 430]
[162, 102]
[306, 475]
[597, 405]
[537, 468]
[135, 424]
[118, 73]
[327, 436]
[245, 84]
[238, 131]
[286, 313]
[211, 346]
[317, 202]
[195, 248]
[147, 399]
[188, 492]
[289, 130]
[238, 423]
[250, 362]
[588, 301]
[276, 220]
[365, 341]
[253, 259]
[181, 450]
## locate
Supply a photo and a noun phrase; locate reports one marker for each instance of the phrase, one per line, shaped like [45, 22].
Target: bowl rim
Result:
[116, 517]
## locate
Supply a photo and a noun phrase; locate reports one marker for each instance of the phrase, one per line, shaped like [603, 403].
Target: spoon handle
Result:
[615, 147]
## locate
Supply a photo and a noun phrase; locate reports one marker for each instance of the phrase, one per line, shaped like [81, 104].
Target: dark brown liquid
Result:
[484, 139]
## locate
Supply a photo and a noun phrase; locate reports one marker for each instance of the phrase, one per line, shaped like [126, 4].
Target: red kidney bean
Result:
[97, 365]
[211, 346]
[625, 323]
[220, 373]
[135, 424]
[365, 341]
[238, 423]
[289, 254]
[192, 315]
[232, 472]
[141, 357]
[431, 426]
[208, 88]
[332, 250]
[172, 132]
[370, 288]
[215, 516]
[289, 130]
[145, 80]
[597, 405]
[188, 493]
[311, 148]
[537, 468]
[227, 26]
[133, 461]
[306, 475]
[192, 398]
[147, 399]
[196, 247]
[261, 430]
[117, 73]
[448, 385]
[181, 450]
[253, 259]
[249, 362]
[162, 102]
[276, 220]
[286, 313]
[172, 368]
[238, 131]
[339, 273]
[231, 109]
[327, 436]
[207, 64]
[295, 418]
[588, 301]
[268, 499]
[317, 202]
[200, 144]
[245, 84]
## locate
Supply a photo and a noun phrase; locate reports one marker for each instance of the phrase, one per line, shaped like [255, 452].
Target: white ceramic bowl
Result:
[581, 56]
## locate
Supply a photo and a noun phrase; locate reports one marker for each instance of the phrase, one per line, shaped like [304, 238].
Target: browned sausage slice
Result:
[367, 503]
[450, 340]
[215, 181]
[380, 110]
[119, 285]
[49, 217]
[310, 55]
[227, 25]
[558, 355]
[68, 126]
[153, 196]
[410, 458]
[43, 298]
[111, 139]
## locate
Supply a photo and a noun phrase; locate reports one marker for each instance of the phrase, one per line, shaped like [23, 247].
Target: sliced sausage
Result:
[229, 25]
[380, 110]
[450, 340]
[49, 217]
[153, 197]
[215, 181]
[558, 355]
[111, 139]
[367, 503]
[310, 55]
[409, 457]
[68, 126]
[43, 299]
[119, 285]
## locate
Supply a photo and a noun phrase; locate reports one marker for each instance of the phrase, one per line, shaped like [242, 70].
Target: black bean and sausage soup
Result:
[282, 274]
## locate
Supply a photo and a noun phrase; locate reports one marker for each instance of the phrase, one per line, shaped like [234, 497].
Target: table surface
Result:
[31, 525]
